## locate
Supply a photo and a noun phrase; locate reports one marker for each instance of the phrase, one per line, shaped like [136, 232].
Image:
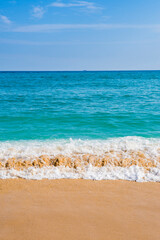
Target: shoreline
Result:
[79, 209]
[128, 158]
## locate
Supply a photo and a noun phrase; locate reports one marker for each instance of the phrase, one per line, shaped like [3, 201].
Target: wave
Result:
[128, 158]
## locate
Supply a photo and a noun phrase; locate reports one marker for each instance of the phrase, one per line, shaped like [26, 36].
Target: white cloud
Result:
[51, 43]
[58, 4]
[38, 12]
[54, 27]
[84, 4]
[5, 19]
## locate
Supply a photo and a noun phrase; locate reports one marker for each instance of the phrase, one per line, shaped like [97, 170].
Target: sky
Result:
[75, 35]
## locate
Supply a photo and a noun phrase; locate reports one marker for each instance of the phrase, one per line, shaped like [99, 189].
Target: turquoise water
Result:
[86, 105]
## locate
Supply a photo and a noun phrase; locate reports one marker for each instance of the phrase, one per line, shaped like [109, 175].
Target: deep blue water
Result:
[87, 105]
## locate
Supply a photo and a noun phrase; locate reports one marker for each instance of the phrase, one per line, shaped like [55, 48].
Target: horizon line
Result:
[142, 70]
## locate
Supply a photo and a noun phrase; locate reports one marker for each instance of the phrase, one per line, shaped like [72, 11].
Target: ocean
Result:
[91, 125]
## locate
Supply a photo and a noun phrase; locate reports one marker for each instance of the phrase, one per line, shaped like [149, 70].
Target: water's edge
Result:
[128, 158]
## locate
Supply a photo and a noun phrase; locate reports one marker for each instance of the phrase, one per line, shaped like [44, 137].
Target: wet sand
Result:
[79, 210]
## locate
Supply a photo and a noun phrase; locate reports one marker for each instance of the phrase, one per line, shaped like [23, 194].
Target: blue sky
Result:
[79, 35]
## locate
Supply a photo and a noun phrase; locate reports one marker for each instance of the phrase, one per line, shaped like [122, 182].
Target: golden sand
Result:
[79, 209]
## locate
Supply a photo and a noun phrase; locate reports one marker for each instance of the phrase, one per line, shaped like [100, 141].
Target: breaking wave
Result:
[128, 158]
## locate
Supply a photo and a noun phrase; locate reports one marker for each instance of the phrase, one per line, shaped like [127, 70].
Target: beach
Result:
[79, 209]
[80, 155]
[79, 120]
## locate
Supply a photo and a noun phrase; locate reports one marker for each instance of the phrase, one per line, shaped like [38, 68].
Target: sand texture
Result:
[79, 210]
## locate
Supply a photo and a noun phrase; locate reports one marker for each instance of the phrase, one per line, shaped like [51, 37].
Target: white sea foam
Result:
[133, 173]
[30, 149]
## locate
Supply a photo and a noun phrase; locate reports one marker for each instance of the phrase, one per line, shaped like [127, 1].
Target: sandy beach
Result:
[79, 209]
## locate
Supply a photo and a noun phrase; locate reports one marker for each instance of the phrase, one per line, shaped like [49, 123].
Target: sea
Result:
[100, 125]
